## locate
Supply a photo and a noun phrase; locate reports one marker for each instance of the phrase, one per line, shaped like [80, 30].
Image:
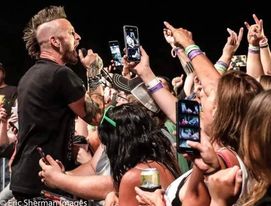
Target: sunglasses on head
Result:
[108, 119]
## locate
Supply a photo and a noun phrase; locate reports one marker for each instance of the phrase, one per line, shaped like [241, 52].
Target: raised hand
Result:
[233, 41]
[182, 37]
[92, 62]
[177, 82]
[168, 37]
[255, 31]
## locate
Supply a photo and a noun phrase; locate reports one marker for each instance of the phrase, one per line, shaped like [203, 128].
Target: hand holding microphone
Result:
[91, 61]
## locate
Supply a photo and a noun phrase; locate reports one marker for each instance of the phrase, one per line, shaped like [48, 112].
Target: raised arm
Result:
[185, 62]
[265, 54]
[165, 100]
[204, 68]
[254, 36]
[232, 44]
[90, 107]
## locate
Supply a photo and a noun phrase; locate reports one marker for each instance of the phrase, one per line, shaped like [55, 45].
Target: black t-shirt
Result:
[45, 120]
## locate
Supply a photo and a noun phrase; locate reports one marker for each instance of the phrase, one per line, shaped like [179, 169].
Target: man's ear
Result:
[55, 41]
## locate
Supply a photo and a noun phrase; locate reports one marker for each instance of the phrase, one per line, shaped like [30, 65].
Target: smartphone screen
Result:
[115, 52]
[238, 62]
[132, 44]
[188, 125]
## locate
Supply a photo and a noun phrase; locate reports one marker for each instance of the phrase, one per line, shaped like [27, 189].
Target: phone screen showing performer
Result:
[132, 44]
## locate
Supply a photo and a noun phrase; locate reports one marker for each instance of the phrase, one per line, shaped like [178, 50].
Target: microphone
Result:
[95, 67]
[84, 51]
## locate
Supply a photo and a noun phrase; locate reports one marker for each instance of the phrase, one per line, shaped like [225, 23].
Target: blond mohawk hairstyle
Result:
[45, 15]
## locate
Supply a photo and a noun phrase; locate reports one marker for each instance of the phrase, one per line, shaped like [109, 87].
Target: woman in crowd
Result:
[255, 149]
[133, 142]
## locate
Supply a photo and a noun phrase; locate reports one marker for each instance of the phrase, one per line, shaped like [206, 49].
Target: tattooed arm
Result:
[90, 107]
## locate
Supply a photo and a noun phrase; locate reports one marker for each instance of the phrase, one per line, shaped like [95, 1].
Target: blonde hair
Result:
[255, 146]
[45, 15]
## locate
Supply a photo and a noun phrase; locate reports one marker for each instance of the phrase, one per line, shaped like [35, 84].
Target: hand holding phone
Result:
[7, 104]
[132, 44]
[188, 125]
[42, 154]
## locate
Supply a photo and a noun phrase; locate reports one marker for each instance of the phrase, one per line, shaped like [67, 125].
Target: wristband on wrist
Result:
[253, 49]
[263, 43]
[192, 54]
[155, 88]
[192, 51]
[152, 83]
[221, 66]
[191, 48]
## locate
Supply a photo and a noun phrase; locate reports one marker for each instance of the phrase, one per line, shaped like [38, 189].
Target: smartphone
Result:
[42, 154]
[188, 125]
[7, 104]
[116, 53]
[238, 61]
[132, 44]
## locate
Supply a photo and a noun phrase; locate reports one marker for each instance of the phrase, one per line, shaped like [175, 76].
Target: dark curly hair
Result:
[134, 140]
[45, 15]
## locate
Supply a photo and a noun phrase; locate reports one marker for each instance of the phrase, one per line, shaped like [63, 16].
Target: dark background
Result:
[99, 21]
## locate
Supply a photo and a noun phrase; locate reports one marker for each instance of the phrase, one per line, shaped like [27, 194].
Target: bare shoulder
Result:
[127, 187]
[132, 176]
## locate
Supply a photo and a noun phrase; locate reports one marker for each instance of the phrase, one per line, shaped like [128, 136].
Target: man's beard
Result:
[69, 57]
